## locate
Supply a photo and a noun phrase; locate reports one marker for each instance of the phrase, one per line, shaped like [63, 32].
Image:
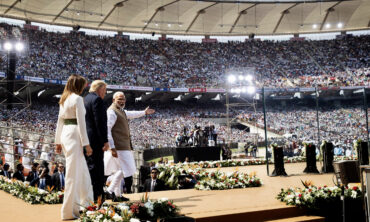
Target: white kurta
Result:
[78, 189]
[126, 157]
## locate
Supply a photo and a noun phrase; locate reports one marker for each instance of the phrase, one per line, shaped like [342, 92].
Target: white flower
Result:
[89, 213]
[353, 194]
[163, 199]
[41, 191]
[134, 220]
[123, 207]
[117, 217]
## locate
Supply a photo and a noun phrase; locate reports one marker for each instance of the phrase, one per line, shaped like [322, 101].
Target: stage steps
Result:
[283, 214]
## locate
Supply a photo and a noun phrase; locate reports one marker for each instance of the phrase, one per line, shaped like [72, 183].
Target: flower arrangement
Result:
[143, 210]
[316, 198]
[207, 180]
[222, 181]
[30, 194]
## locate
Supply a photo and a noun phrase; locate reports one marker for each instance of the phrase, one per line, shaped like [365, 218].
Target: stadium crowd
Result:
[340, 62]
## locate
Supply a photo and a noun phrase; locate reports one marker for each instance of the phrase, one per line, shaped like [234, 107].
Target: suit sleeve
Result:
[80, 115]
[100, 118]
[145, 189]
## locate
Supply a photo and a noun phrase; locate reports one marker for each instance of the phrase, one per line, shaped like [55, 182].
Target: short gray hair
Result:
[117, 94]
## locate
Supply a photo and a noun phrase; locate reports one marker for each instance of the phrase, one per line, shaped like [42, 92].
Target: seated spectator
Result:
[33, 176]
[18, 175]
[5, 171]
[58, 178]
[45, 178]
[154, 184]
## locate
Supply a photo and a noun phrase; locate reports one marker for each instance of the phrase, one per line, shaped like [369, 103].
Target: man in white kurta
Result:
[119, 136]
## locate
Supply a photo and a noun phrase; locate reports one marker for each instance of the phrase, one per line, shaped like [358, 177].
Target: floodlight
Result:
[314, 26]
[232, 90]
[340, 25]
[8, 46]
[244, 90]
[251, 89]
[328, 26]
[248, 77]
[241, 77]
[231, 79]
[19, 46]
[238, 90]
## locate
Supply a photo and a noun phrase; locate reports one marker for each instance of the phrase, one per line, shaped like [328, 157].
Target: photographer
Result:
[187, 181]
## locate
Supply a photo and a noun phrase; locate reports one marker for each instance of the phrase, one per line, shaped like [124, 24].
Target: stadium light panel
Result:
[328, 26]
[249, 78]
[340, 25]
[314, 26]
[251, 89]
[241, 77]
[19, 46]
[244, 90]
[231, 79]
[8, 46]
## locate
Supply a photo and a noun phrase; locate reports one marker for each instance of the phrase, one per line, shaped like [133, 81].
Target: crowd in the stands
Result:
[340, 62]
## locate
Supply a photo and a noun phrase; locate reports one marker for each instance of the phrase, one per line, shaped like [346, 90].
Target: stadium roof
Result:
[190, 17]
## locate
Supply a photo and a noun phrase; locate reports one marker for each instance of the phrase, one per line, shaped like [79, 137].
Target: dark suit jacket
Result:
[18, 176]
[3, 174]
[159, 185]
[96, 122]
[55, 181]
[32, 178]
[47, 182]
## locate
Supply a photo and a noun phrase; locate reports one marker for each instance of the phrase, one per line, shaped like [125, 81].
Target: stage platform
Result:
[250, 204]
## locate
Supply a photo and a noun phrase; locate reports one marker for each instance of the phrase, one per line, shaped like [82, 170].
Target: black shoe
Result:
[120, 199]
[109, 196]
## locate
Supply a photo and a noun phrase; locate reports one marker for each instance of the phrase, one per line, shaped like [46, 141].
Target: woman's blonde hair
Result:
[75, 84]
[96, 85]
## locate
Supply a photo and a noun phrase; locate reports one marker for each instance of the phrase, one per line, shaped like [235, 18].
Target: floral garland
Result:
[32, 195]
[248, 162]
[207, 180]
[143, 210]
[223, 181]
[314, 197]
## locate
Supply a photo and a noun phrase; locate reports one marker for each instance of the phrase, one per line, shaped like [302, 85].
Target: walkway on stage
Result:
[193, 203]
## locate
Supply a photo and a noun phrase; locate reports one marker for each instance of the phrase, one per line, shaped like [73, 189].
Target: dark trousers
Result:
[95, 163]
[128, 184]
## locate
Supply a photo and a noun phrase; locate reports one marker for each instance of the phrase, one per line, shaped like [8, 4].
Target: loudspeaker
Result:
[347, 171]
[279, 162]
[328, 157]
[153, 33]
[363, 154]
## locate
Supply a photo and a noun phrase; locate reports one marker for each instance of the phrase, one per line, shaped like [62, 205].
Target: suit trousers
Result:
[95, 164]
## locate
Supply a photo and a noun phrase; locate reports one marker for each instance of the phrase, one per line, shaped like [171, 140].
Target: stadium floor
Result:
[193, 203]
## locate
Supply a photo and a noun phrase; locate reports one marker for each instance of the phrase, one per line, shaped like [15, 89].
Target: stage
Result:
[250, 204]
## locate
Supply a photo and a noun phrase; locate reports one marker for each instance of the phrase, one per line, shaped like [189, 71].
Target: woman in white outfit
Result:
[71, 136]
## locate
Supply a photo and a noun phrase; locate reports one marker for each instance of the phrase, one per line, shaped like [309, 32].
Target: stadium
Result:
[215, 84]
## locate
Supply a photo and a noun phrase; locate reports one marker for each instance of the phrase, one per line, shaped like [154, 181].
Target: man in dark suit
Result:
[45, 178]
[96, 126]
[19, 174]
[5, 172]
[153, 184]
[57, 179]
[33, 176]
